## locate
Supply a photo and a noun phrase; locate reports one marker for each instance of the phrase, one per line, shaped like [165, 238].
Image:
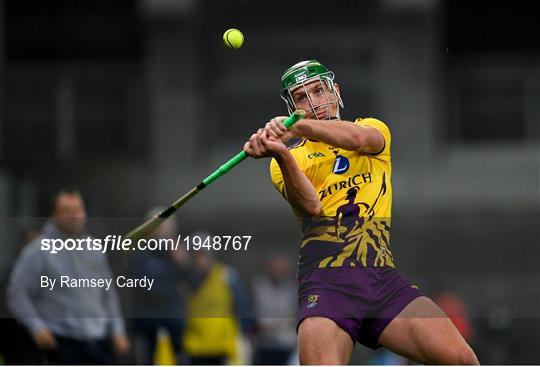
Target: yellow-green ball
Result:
[233, 38]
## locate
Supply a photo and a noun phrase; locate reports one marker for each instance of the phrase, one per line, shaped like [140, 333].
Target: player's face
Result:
[317, 100]
[70, 214]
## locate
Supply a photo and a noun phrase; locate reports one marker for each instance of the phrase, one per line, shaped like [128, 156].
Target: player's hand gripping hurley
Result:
[150, 225]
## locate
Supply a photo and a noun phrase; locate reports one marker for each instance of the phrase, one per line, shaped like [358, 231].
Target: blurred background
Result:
[135, 101]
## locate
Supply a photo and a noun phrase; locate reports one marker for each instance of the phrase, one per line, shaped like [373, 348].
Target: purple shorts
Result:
[362, 301]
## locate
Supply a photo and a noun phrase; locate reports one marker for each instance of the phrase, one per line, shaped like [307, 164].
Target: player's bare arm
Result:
[337, 133]
[298, 189]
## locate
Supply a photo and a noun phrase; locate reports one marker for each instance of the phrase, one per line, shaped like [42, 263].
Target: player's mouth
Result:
[322, 115]
[319, 112]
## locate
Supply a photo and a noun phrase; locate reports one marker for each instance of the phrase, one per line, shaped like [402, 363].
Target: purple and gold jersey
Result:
[354, 188]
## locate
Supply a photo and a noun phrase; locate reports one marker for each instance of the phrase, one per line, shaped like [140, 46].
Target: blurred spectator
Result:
[70, 325]
[16, 344]
[218, 313]
[274, 296]
[164, 306]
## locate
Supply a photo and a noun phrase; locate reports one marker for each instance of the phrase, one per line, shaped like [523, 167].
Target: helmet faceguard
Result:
[304, 73]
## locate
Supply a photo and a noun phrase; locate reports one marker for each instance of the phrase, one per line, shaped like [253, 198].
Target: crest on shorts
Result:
[312, 300]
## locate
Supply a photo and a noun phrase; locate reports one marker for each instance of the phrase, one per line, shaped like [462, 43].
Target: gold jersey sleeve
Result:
[384, 130]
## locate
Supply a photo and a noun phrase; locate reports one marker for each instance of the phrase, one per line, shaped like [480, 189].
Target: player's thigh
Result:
[322, 341]
[424, 333]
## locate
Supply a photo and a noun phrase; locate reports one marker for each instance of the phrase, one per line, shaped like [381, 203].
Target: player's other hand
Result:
[261, 145]
[44, 339]
[275, 129]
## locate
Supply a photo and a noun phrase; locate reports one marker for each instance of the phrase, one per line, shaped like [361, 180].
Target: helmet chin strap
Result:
[338, 115]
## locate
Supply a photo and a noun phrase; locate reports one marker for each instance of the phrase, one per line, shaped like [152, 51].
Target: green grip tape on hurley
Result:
[226, 167]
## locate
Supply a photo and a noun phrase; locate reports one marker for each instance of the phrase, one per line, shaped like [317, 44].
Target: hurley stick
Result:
[150, 225]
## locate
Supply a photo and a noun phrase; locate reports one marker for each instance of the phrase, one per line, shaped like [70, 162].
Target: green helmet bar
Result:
[304, 73]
